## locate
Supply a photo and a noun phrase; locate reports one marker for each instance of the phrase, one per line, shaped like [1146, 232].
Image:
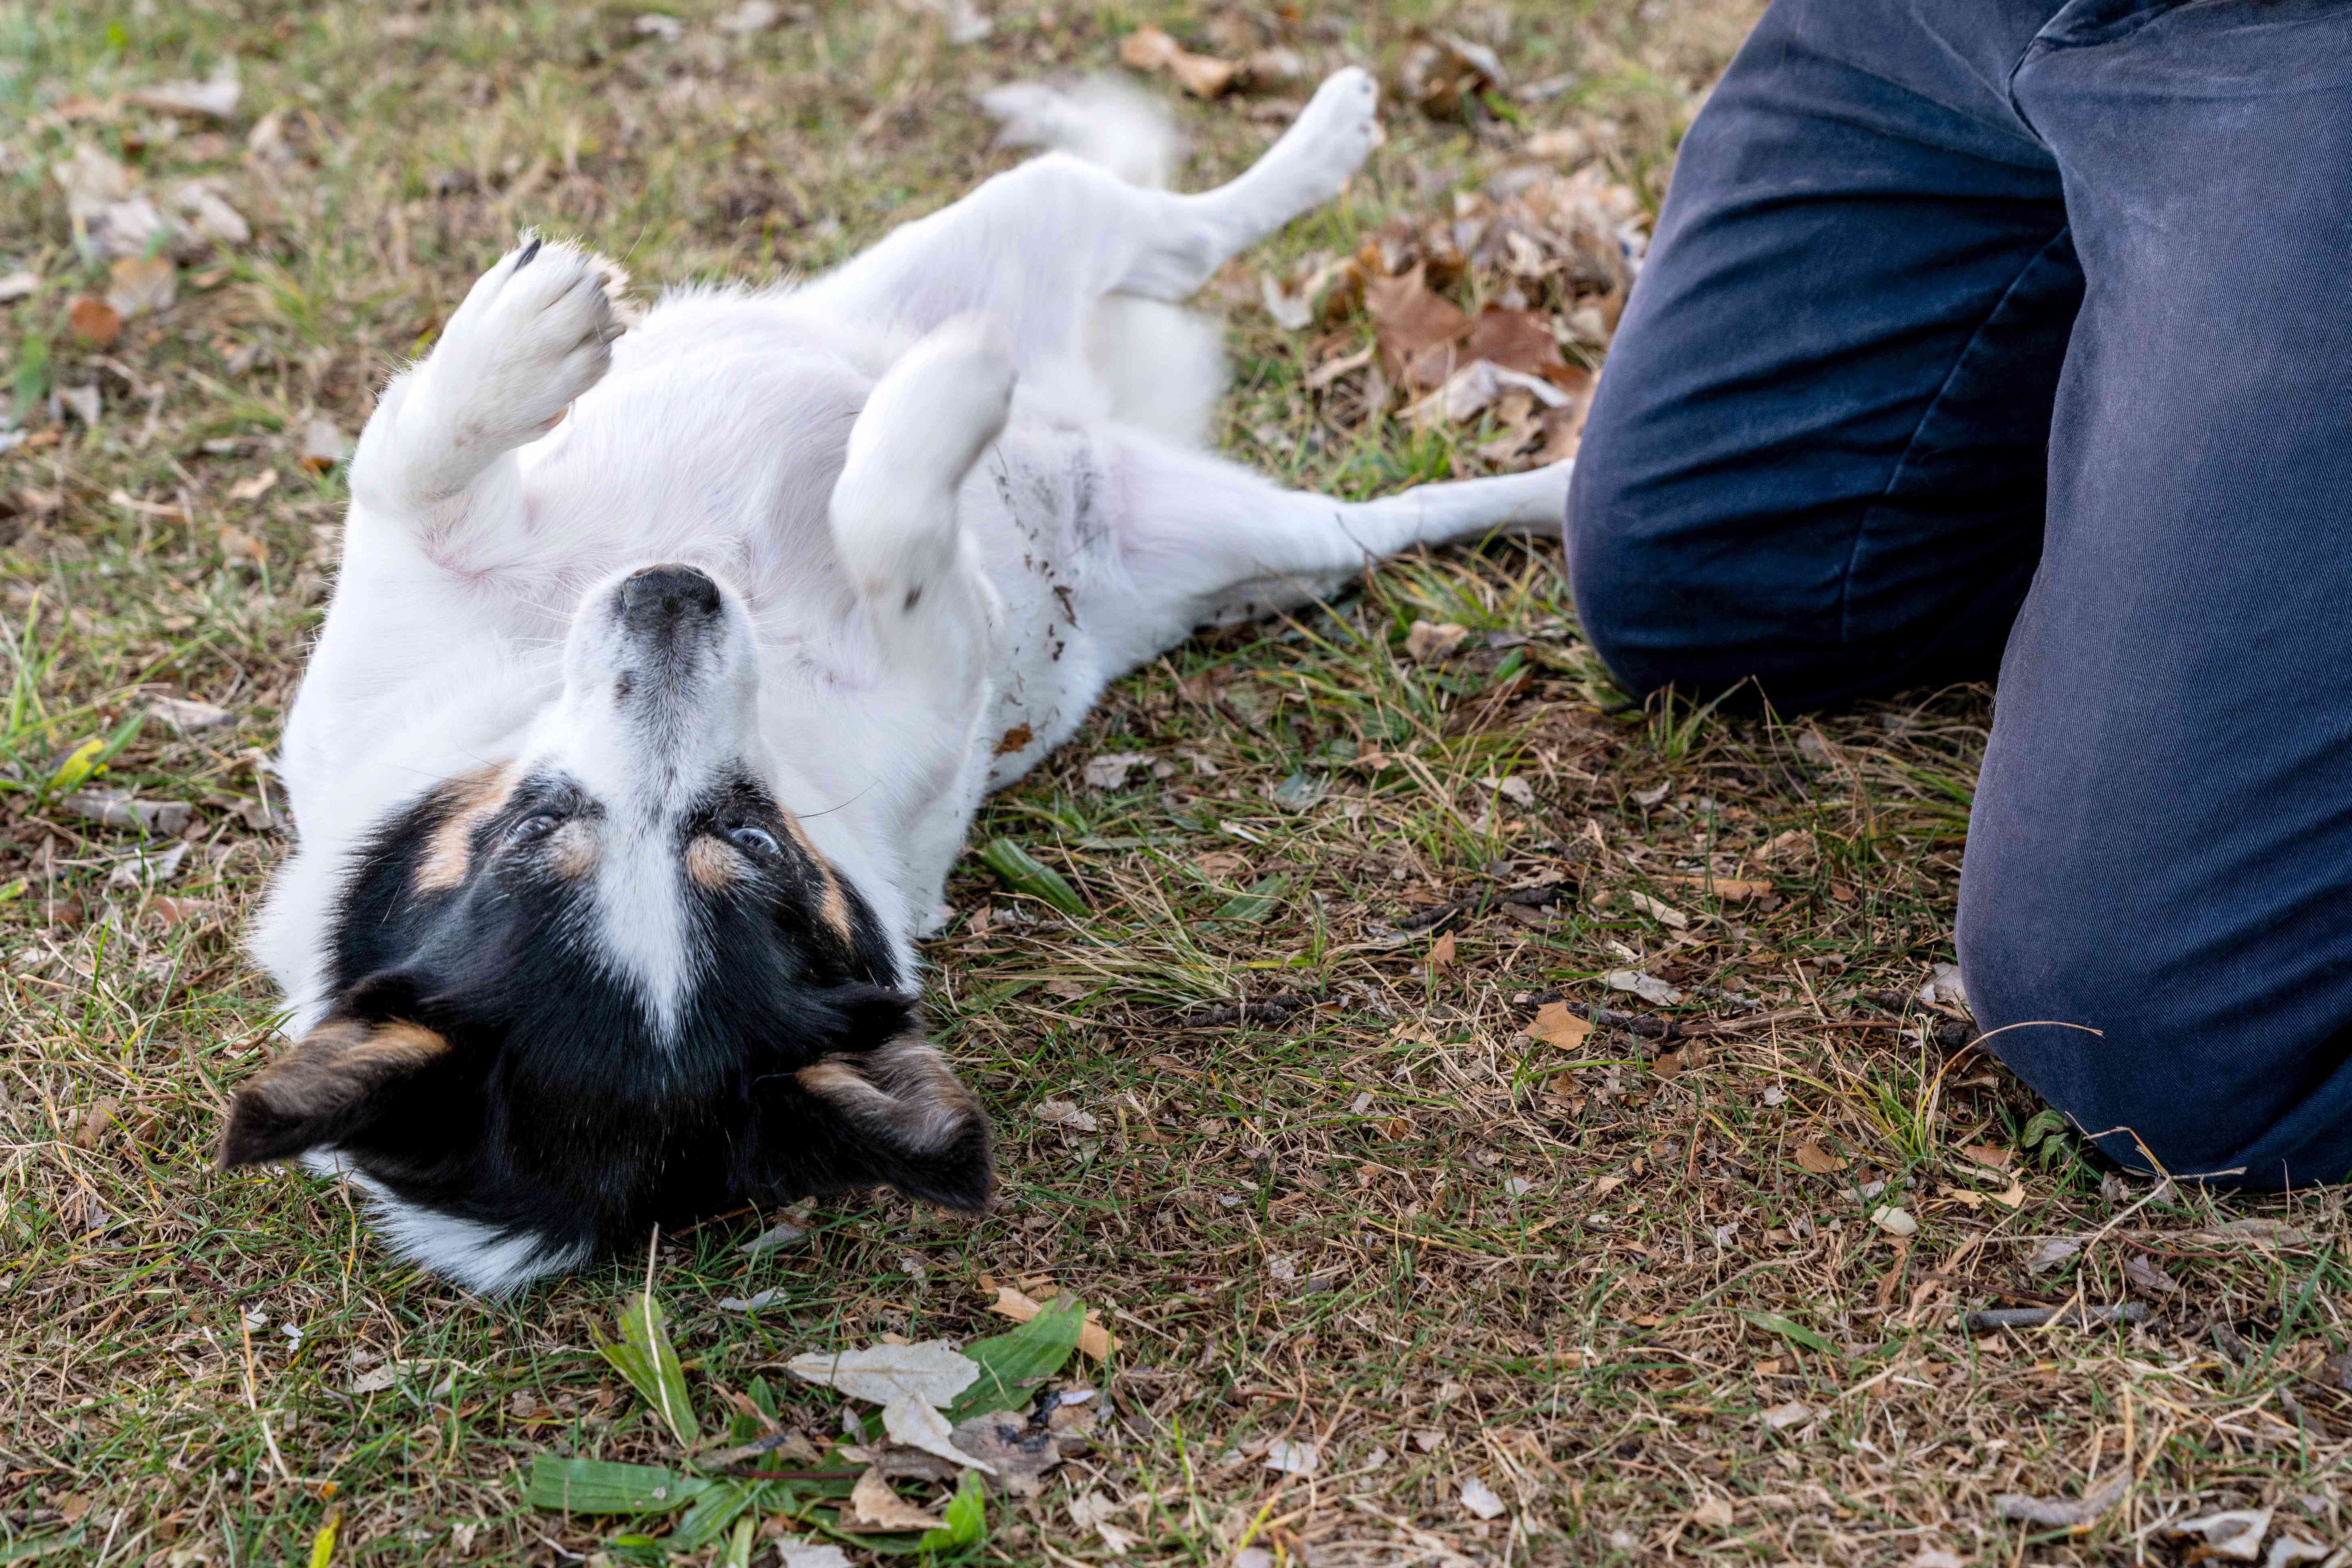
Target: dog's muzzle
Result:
[660, 604]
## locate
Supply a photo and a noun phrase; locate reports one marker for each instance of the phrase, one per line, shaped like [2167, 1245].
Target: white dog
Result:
[638, 743]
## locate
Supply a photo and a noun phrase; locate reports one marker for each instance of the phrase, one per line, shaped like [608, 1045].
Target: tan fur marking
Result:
[712, 865]
[906, 1086]
[571, 851]
[330, 1070]
[834, 909]
[448, 854]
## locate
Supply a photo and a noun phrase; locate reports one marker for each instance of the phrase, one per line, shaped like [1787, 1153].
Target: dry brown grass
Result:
[1629, 1282]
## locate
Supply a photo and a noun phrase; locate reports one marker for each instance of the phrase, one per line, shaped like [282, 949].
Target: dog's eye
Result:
[753, 840]
[533, 828]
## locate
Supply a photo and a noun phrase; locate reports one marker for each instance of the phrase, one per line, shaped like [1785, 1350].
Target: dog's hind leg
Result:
[1201, 542]
[1038, 247]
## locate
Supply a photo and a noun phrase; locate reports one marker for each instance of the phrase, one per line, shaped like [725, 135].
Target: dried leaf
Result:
[1780, 1417]
[214, 100]
[1292, 1456]
[2048, 1257]
[1989, 1155]
[1944, 987]
[1515, 339]
[933, 1370]
[18, 285]
[190, 717]
[1109, 770]
[1714, 1512]
[1094, 1340]
[1440, 952]
[118, 808]
[2237, 1534]
[750, 17]
[1428, 644]
[254, 488]
[323, 446]
[1417, 330]
[2063, 1513]
[793, 1552]
[1895, 1221]
[1094, 1512]
[2148, 1276]
[1665, 915]
[1018, 1454]
[1480, 1499]
[873, 1506]
[1811, 1156]
[1556, 1025]
[1730, 889]
[918, 1424]
[1443, 74]
[1013, 740]
[1561, 144]
[138, 285]
[1147, 48]
[1062, 1113]
[1202, 76]
[94, 322]
[1647, 987]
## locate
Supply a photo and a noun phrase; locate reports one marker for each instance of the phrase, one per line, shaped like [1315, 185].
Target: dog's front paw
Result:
[535, 331]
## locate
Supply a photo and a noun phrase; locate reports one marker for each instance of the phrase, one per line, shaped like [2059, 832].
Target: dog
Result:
[664, 672]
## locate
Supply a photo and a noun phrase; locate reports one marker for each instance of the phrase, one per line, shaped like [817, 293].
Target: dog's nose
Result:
[665, 595]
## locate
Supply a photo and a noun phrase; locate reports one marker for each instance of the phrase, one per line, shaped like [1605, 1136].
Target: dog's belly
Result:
[1044, 510]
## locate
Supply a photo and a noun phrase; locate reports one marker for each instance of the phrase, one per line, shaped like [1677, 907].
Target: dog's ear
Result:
[328, 1084]
[897, 1114]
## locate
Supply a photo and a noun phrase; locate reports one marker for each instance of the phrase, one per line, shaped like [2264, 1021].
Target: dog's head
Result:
[612, 983]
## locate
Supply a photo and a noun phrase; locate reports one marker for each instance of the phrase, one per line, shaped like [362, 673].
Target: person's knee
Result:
[2104, 1015]
[1649, 596]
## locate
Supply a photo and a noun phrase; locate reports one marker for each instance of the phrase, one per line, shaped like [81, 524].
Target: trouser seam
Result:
[1943, 390]
[2042, 44]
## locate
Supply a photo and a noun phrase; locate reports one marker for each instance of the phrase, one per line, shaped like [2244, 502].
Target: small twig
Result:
[2069, 1316]
[1273, 1010]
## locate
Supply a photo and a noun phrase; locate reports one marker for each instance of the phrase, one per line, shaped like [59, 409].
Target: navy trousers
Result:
[2018, 333]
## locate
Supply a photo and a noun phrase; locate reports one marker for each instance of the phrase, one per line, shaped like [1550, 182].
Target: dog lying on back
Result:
[638, 743]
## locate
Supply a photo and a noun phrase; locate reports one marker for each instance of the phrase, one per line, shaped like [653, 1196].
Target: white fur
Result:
[484, 1260]
[948, 487]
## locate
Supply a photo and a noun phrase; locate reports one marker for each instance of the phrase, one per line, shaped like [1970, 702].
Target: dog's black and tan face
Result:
[612, 984]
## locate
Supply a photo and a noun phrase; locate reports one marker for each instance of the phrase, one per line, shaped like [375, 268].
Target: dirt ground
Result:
[1496, 1122]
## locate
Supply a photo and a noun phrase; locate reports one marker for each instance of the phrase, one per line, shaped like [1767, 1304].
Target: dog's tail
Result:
[1101, 119]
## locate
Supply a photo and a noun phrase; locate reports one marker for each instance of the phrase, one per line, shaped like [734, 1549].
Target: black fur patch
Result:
[560, 1108]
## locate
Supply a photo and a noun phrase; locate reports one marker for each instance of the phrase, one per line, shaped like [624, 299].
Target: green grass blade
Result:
[645, 1355]
[1024, 873]
[1012, 1365]
[600, 1486]
[1773, 1324]
[966, 1519]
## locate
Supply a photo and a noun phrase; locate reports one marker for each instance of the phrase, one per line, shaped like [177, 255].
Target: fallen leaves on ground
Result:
[1095, 1342]
[1443, 74]
[2063, 1513]
[1148, 48]
[933, 1370]
[1556, 1025]
[873, 1505]
[918, 1423]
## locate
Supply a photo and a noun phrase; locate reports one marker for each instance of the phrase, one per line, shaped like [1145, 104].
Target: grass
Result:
[1629, 1281]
